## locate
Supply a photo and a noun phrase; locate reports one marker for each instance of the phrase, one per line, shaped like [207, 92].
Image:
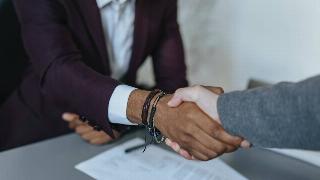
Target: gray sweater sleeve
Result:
[286, 115]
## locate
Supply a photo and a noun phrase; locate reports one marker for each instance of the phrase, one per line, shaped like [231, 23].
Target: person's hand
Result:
[186, 125]
[193, 132]
[86, 132]
[205, 97]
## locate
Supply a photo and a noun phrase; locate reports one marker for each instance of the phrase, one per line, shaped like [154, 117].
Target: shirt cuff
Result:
[117, 111]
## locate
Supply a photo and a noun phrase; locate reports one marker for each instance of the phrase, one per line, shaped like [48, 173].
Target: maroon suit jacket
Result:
[69, 69]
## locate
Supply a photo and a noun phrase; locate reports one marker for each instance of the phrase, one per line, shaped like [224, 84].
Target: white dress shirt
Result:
[118, 25]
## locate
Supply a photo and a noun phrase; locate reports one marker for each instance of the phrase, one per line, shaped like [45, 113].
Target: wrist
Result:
[162, 112]
[135, 105]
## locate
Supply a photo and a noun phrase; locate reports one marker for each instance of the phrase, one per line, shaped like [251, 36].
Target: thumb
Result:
[69, 117]
[183, 94]
[175, 101]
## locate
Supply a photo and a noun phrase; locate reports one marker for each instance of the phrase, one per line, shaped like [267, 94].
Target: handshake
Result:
[188, 119]
[195, 131]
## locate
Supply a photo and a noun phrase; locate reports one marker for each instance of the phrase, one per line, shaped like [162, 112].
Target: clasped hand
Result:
[199, 134]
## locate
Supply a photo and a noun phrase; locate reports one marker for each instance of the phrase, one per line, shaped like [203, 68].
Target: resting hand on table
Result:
[206, 99]
[86, 132]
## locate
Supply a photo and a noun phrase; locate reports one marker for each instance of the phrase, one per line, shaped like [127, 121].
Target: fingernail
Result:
[245, 144]
[176, 147]
[215, 155]
[185, 154]
[168, 142]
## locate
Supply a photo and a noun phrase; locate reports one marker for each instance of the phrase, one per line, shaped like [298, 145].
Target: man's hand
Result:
[205, 97]
[86, 132]
[186, 125]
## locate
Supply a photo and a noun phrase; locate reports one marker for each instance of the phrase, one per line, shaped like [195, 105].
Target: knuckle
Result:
[189, 115]
[205, 158]
[213, 155]
[214, 131]
[185, 139]
[197, 89]
[178, 91]
[195, 131]
[222, 149]
[217, 134]
[189, 128]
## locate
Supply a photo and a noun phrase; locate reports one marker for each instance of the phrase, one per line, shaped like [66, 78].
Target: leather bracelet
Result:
[146, 106]
[153, 131]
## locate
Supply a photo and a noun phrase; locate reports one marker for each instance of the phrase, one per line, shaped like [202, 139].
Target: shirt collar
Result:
[102, 3]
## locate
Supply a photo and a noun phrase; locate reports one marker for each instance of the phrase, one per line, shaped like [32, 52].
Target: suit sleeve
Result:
[168, 58]
[286, 115]
[64, 78]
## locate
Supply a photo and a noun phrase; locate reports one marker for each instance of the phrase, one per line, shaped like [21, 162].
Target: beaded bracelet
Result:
[146, 106]
[153, 131]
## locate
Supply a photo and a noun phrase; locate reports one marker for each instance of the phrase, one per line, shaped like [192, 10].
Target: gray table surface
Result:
[55, 159]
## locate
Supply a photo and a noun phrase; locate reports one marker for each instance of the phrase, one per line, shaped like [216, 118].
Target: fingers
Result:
[205, 99]
[100, 139]
[225, 137]
[175, 146]
[182, 94]
[69, 117]
[95, 137]
[87, 132]
[216, 131]
[201, 152]
[196, 140]
[175, 101]
[213, 144]
[198, 156]
[84, 128]
[231, 143]
[103, 139]
[73, 120]
[190, 94]
[185, 154]
[90, 135]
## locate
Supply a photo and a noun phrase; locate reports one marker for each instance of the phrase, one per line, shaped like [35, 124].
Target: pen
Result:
[134, 148]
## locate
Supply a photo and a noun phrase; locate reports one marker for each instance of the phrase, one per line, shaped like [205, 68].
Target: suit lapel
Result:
[140, 32]
[91, 15]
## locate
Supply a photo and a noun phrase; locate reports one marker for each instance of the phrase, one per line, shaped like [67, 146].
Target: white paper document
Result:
[154, 164]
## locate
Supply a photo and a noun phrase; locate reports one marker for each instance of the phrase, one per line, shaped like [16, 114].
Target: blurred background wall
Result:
[230, 41]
